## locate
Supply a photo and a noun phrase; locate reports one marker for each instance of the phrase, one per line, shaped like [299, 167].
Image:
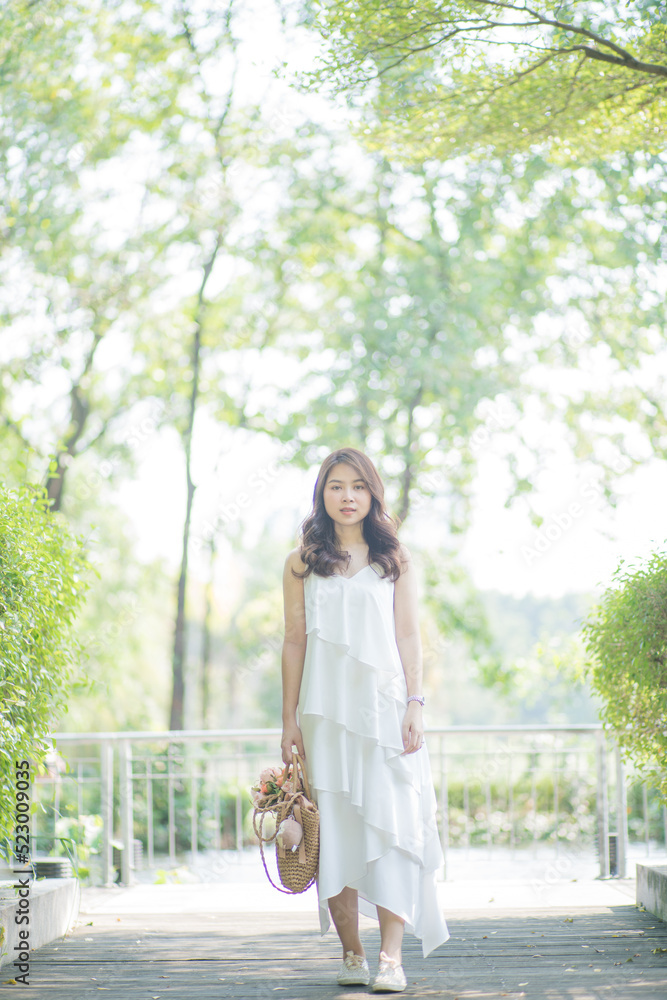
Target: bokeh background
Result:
[234, 239]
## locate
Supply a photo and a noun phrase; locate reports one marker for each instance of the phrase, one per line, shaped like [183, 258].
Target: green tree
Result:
[42, 584]
[75, 278]
[626, 642]
[411, 304]
[124, 627]
[91, 268]
[429, 303]
[450, 76]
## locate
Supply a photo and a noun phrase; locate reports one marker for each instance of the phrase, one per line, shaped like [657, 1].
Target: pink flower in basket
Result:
[271, 782]
[270, 774]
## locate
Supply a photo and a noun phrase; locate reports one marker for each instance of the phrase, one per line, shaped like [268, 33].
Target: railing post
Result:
[56, 802]
[444, 806]
[194, 806]
[556, 801]
[510, 803]
[106, 808]
[621, 814]
[239, 820]
[466, 812]
[126, 818]
[489, 813]
[79, 789]
[150, 847]
[239, 804]
[602, 806]
[171, 805]
[217, 837]
[533, 798]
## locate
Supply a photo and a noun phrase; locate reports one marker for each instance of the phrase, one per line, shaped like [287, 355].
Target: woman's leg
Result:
[391, 933]
[345, 914]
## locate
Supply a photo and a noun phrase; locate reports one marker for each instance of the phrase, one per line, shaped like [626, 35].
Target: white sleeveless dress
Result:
[378, 831]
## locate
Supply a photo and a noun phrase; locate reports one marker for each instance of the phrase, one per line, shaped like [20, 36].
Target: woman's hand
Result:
[413, 728]
[291, 736]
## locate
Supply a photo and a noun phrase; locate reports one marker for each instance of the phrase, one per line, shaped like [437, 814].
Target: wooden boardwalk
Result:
[588, 953]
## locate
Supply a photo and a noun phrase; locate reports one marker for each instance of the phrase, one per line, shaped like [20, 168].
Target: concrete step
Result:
[652, 889]
[34, 914]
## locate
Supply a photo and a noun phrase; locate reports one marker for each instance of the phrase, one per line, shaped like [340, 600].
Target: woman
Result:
[351, 665]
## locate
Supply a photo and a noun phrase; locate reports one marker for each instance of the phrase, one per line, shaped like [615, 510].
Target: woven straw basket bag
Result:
[297, 869]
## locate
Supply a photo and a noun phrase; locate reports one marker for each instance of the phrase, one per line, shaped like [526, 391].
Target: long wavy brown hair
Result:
[318, 545]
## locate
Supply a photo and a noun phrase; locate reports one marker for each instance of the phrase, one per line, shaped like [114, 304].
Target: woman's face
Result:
[346, 491]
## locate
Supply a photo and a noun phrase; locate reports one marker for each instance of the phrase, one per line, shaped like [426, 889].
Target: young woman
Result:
[351, 666]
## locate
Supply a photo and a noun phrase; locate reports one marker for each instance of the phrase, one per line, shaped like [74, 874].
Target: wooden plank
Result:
[615, 952]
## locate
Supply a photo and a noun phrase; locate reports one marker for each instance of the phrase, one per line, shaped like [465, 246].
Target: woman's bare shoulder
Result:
[405, 556]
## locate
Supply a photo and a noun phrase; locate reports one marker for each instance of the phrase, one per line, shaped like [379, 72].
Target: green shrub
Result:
[42, 584]
[626, 639]
[655, 815]
[532, 817]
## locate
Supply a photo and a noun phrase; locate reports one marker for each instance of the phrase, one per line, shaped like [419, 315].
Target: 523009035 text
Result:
[22, 884]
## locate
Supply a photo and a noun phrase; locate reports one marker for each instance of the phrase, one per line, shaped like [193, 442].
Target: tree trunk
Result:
[79, 413]
[206, 641]
[178, 653]
[406, 479]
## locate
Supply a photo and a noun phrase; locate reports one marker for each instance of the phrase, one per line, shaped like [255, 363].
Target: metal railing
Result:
[497, 786]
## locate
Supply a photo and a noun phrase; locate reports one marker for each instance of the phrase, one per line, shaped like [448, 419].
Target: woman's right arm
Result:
[293, 656]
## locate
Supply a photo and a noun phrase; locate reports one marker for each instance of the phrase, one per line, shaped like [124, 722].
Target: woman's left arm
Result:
[408, 640]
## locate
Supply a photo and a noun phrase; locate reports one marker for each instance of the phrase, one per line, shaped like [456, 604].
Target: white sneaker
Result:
[390, 977]
[354, 971]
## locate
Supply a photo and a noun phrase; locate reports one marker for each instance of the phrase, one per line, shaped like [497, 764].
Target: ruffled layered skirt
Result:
[378, 829]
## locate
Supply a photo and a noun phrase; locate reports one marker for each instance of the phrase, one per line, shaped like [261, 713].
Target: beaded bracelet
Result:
[417, 697]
